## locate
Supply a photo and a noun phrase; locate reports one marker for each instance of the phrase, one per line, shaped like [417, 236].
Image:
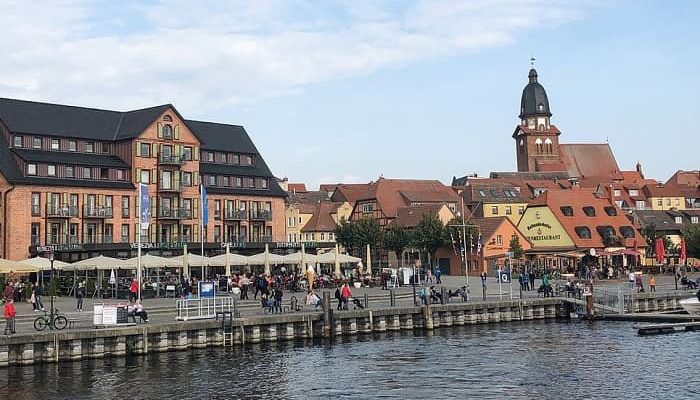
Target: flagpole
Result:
[138, 242]
[201, 235]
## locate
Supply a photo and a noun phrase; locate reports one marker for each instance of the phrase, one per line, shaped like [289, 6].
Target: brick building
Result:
[68, 178]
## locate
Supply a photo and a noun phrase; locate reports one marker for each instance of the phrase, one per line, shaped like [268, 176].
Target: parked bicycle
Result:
[59, 321]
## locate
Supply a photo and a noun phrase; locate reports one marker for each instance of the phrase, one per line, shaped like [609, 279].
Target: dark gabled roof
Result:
[274, 191]
[30, 117]
[42, 156]
[534, 99]
[87, 183]
[222, 137]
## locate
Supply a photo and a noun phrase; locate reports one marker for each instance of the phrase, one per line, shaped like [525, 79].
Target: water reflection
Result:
[515, 361]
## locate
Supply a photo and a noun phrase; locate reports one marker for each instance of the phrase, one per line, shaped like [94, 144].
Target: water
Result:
[604, 360]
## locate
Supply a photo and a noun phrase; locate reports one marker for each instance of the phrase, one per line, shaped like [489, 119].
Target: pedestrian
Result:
[8, 291]
[10, 314]
[652, 284]
[345, 294]
[140, 312]
[133, 290]
[437, 274]
[277, 299]
[79, 294]
[631, 279]
[428, 276]
[339, 297]
[532, 280]
[38, 292]
[245, 282]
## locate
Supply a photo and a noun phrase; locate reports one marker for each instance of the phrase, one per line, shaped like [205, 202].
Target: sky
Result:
[345, 90]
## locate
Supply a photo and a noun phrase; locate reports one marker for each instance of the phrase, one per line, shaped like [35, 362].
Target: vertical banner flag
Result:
[205, 204]
[145, 206]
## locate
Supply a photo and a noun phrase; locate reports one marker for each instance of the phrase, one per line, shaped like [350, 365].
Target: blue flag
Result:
[145, 206]
[205, 204]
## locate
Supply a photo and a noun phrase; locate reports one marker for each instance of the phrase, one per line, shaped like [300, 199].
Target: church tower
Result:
[536, 139]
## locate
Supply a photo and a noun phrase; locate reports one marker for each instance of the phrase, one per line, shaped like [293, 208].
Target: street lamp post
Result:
[53, 285]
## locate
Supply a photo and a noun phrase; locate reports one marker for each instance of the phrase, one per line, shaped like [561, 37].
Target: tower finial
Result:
[532, 61]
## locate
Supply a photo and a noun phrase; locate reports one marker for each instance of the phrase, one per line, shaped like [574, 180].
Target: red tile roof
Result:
[661, 191]
[577, 199]
[388, 193]
[297, 188]
[589, 160]
[350, 192]
[412, 215]
[684, 178]
[553, 130]
[322, 218]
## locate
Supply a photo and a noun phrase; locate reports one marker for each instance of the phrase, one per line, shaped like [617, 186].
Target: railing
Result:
[170, 187]
[175, 213]
[236, 215]
[236, 239]
[36, 240]
[170, 159]
[125, 239]
[36, 210]
[266, 238]
[60, 211]
[97, 212]
[261, 215]
[188, 309]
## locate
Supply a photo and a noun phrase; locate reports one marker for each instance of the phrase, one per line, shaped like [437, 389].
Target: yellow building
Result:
[296, 216]
[321, 226]
[491, 200]
[663, 198]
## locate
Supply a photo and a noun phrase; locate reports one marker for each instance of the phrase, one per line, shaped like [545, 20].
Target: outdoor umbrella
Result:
[683, 253]
[191, 259]
[233, 259]
[369, 261]
[660, 251]
[99, 262]
[298, 258]
[185, 261]
[151, 261]
[259, 259]
[9, 266]
[44, 264]
[267, 260]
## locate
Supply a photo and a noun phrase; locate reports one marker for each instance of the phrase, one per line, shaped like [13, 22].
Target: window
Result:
[239, 182]
[494, 210]
[236, 159]
[187, 153]
[640, 204]
[105, 148]
[51, 171]
[210, 156]
[482, 193]
[212, 180]
[224, 181]
[145, 149]
[538, 145]
[634, 192]
[187, 179]
[125, 206]
[167, 131]
[55, 144]
[521, 210]
[120, 174]
[224, 158]
[251, 183]
[694, 219]
[72, 145]
[509, 210]
[69, 172]
[167, 118]
[627, 232]
[611, 211]
[668, 202]
[679, 220]
[263, 183]
[36, 143]
[166, 180]
[290, 221]
[366, 208]
[323, 237]
[583, 232]
[247, 160]
[145, 176]
[104, 173]
[31, 169]
[589, 211]
[87, 172]
[17, 141]
[568, 211]
[499, 240]
[89, 147]
[617, 193]
[547, 145]
[36, 204]
[125, 233]
[35, 233]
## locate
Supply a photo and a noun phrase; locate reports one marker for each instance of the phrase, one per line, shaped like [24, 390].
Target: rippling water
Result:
[510, 361]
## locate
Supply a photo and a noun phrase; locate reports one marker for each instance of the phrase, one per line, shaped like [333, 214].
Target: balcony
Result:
[170, 159]
[36, 210]
[261, 215]
[54, 211]
[169, 187]
[125, 239]
[96, 239]
[235, 215]
[174, 213]
[60, 239]
[97, 212]
[266, 239]
[236, 239]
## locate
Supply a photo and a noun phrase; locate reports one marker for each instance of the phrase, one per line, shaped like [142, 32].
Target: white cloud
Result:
[207, 55]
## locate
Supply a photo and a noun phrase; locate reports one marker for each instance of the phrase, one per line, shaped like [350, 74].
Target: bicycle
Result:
[59, 322]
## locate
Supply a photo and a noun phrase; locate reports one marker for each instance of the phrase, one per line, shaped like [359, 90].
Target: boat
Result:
[691, 305]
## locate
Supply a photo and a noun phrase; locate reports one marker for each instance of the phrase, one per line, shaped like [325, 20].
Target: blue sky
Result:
[343, 90]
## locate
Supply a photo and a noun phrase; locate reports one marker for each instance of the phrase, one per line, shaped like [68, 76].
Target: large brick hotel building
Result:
[68, 179]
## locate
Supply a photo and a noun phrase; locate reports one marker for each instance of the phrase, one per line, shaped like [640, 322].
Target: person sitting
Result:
[357, 304]
[265, 302]
[688, 283]
[312, 299]
[459, 293]
[140, 312]
[435, 296]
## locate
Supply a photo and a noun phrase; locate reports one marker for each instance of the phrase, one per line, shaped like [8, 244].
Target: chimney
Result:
[639, 169]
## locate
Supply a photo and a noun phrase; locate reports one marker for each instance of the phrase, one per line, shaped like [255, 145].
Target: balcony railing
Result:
[171, 187]
[54, 211]
[36, 240]
[170, 159]
[36, 210]
[97, 212]
[236, 239]
[125, 239]
[174, 213]
[62, 239]
[261, 215]
[266, 239]
[235, 215]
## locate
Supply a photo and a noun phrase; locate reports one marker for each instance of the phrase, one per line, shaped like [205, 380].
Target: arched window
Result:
[548, 146]
[538, 145]
[522, 146]
[167, 131]
[168, 118]
[540, 107]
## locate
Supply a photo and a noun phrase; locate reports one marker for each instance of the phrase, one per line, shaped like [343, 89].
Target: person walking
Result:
[652, 284]
[38, 292]
[532, 280]
[277, 299]
[10, 314]
[437, 274]
[245, 282]
[339, 297]
[483, 283]
[79, 294]
[133, 290]
[345, 294]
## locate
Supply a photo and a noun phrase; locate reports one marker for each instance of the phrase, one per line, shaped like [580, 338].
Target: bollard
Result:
[366, 300]
[236, 312]
[427, 297]
[327, 315]
[392, 297]
[443, 294]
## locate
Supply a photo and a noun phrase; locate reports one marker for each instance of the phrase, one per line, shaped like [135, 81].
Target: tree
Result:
[692, 241]
[430, 235]
[515, 247]
[397, 239]
[345, 234]
[355, 235]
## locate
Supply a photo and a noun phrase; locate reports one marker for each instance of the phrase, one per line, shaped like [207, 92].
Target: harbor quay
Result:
[165, 334]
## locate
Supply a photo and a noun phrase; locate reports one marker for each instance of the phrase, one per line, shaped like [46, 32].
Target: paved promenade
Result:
[163, 310]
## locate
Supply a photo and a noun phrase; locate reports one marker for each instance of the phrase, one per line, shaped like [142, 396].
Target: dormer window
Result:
[568, 211]
[17, 141]
[611, 211]
[583, 232]
[679, 220]
[540, 107]
[167, 131]
[36, 142]
[31, 169]
[627, 232]
[589, 211]
[89, 147]
[55, 144]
